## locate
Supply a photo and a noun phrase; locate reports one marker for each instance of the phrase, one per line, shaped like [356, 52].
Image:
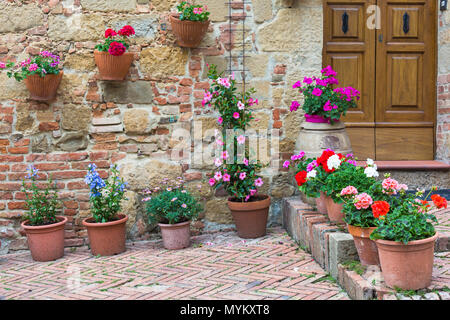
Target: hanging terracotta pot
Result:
[108, 238]
[334, 210]
[367, 249]
[321, 203]
[188, 33]
[113, 67]
[43, 88]
[407, 266]
[250, 217]
[176, 236]
[46, 242]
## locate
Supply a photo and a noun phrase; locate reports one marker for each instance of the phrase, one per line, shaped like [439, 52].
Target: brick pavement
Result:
[216, 266]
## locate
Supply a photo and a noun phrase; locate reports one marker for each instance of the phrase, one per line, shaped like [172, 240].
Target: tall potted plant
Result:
[107, 226]
[405, 239]
[112, 60]
[323, 107]
[173, 208]
[235, 172]
[40, 73]
[44, 230]
[190, 24]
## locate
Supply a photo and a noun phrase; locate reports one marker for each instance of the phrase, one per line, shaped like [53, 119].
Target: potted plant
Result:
[323, 107]
[235, 172]
[107, 226]
[190, 24]
[405, 238]
[44, 230]
[173, 208]
[40, 73]
[112, 60]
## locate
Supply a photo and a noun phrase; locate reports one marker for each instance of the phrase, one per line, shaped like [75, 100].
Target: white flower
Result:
[369, 162]
[333, 162]
[311, 174]
[240, 105]
[371, 172]
[218, 162]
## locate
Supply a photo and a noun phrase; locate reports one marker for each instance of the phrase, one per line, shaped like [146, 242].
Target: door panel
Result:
[394, 68]
[405, 73]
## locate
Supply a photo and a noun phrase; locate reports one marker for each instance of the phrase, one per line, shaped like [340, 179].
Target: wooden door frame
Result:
[435, 58]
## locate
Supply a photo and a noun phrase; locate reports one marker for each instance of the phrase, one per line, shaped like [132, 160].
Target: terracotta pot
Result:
[43, 88]
[250, 217]
[106, 239]
[314, 118]
[407, 266]
[367, 249]
[321, 203]
[176, 236]
[46, 243]
[113, 67]
[188, 33]
[335, 213]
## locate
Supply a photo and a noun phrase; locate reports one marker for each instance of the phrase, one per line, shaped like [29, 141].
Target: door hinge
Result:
[380, 38]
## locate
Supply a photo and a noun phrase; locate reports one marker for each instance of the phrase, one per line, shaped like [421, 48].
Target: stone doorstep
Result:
[330, 246]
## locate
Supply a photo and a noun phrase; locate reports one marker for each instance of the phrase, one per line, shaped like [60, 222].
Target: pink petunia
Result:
[226, 177]
[242, 175]
[241, 139]
[259, 182]
[218, 175]
[236, 115]
[220, 120]
[286, 164]
[212, 182]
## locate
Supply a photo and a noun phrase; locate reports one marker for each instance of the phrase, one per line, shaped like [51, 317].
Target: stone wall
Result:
[443, 89]
[131, 123]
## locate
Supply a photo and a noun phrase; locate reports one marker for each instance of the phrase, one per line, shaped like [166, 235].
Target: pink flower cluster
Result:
[329, 107]
[362, 201]
[197, 10]
[391, 186]
[225, 82]
[348, 93]
[349, 190]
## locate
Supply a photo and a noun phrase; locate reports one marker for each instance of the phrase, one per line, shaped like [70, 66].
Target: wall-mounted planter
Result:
[113, 67]
[43, 88]
[188, 33]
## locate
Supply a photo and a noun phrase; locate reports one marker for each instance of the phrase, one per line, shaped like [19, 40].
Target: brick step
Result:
[331, 245]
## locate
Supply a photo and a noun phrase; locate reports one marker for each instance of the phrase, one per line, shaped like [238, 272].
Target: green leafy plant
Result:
[171, 203]
[105, 195]
[41, 204]
[192, 12]
[43, 64]
[322, 100]
[235, 172]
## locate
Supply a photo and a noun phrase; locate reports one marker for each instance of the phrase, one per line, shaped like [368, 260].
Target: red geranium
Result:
[439, 202]
[116, 49]
[301, 178]
[380, 208]
[126, 31]
[322, 160]
[109, 33]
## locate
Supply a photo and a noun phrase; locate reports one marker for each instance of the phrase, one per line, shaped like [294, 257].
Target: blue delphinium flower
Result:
[33, 172]
[95, 182]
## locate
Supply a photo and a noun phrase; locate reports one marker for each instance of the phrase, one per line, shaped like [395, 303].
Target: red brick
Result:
[11, 158]
[51, 166]
[98, 155]
[69, 174]
[77, 185]
[16, 205]
[48, 126]
[73, 156]
[70, 204]
[18, 150]
[186, 82]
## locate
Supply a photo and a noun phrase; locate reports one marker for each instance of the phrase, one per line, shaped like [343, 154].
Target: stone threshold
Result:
[331, 245]
[421, 165]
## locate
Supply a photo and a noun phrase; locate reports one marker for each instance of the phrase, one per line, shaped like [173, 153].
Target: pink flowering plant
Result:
[170, 203]
[192, 12]
[116, 42]
[234, 171]
[321, 99]
[43, 64]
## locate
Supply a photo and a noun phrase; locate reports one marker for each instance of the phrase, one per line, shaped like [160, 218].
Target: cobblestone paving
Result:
[216, 266]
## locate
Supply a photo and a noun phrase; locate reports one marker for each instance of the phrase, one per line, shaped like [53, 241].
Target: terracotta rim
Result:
[410, 243]
[122, 218]
[360, 231]
[174, 226]
[44, 228]
[249, 206]
[107, 53]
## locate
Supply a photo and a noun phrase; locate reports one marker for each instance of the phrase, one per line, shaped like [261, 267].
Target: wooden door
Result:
[394, 67]
[406, 80]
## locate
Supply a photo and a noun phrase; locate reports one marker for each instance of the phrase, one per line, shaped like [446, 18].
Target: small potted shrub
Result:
[112, 60]
[363, 205]
[44, 230]
[405, 238]
[107, 226]
[40, 73]
[190, 24]
[173, 208]
[235, 172]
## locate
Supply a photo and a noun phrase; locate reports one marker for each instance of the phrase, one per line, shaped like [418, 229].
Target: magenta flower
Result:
[259, 182]
[220, 120]
[298, 84]
[218, 175]
[236, 115]
[212, 182]
[327, 106]
[2, 65]
[242, 175]
[317, 92]
[246, 161]
[226, 177]
[294, 105]
[307, 80]
[33, 67]
[286, 164]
